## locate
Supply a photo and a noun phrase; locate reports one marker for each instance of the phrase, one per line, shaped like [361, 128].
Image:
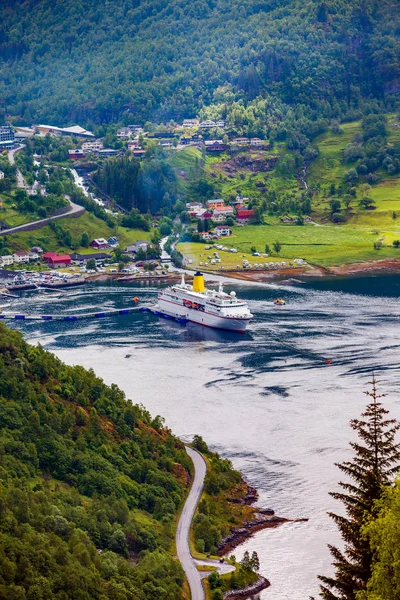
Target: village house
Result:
[204, 214]
[21, 257]
[194, 206]
[222, 230]
[132, 144]
[75, 154]
[33, 256]
[92, 146]
[220, 214]
[245, 216]
[104, 152]
[256, 142]
[1, 175]
[241, 141]
[215, 146]
[139, 153]
[216, 203]
[189, 123]
[99, 244]
[47, 255]
[83, 258]
[136, 246]
[220, 124]
[59, 260]
[205, 235]
[37, 249]
[135, 128]
[7, 260]
[125, 132]
[207, 124]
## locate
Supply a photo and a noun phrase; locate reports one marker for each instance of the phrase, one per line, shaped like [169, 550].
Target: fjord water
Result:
[268, 400]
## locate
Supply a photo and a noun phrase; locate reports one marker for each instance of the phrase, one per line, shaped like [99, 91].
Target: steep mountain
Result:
[90, 485]
[102, 60]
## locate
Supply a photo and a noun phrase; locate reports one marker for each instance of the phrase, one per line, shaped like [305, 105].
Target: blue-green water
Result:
[267, 400]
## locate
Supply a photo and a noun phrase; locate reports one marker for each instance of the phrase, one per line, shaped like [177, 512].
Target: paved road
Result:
[74, 209]
[182, 534]
[11, 158]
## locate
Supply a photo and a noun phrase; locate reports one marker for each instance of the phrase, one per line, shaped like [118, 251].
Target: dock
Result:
[78, 317]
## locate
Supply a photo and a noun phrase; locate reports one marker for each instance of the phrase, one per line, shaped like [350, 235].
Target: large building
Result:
[7, 136]
[75, 131]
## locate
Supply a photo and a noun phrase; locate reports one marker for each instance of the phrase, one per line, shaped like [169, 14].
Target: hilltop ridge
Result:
[156, 60]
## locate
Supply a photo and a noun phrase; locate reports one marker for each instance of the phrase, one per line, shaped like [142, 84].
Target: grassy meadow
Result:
[89, 223]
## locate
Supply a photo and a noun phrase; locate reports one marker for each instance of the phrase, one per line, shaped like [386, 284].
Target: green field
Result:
[326, 245]
[95, 227]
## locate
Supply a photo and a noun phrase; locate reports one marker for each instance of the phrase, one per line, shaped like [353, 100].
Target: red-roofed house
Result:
[204, 214]
[99, 244]
[245, 216]
[59, 260]
[48, 255]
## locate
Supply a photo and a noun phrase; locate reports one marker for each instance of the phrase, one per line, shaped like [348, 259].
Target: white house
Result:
[222, 230]
[92, 146]
[220, 124]
[194, 207]
[124, 132]
[1, 175]
[21, 257]
[207, 124]
[220, 214]
[6, 260]
[256, 142]
[188, 123]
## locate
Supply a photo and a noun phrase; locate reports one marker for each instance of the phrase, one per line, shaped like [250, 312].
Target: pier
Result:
[78, 317]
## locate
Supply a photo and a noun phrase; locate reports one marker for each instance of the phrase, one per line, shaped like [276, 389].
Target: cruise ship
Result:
[198, 304]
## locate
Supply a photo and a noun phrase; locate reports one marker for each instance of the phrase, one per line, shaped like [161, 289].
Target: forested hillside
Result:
[100, 61]
[90, 485]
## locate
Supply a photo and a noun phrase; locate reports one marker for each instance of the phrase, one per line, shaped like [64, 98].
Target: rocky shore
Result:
[262, 518]
[255, 588]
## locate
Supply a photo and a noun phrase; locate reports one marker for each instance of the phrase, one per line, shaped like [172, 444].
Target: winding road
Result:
[187, 561]
[74, 210]
[183, 530]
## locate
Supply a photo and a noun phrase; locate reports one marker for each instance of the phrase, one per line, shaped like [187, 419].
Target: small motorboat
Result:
[279, 302]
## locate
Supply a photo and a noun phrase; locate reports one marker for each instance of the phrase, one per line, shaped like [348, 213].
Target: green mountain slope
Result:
[152, 59]
[90, 486]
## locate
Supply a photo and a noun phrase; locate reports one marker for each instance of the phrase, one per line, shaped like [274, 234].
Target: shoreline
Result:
[262, 518]
[386, 266]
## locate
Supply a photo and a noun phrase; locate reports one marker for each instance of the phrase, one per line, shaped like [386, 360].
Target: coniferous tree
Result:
[376, 460]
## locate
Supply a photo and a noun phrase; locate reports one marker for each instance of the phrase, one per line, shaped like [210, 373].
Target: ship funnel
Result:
[198, 282]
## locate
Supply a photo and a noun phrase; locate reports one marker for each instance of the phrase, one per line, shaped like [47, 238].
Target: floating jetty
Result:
[158, 313]
[94, 315]
[78, 317]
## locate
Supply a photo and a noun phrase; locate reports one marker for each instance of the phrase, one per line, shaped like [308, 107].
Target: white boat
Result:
[198, 304]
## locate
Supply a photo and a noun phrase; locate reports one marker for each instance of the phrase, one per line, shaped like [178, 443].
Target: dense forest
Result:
[149, 186]
[100, 61]
[90, 485]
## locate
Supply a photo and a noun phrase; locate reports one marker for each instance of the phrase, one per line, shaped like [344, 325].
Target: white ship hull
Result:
[176, 310]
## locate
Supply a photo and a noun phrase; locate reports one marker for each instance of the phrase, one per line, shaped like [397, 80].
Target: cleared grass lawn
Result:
[196, 253]
[328, 167]
[325, 245]
[95, 227]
